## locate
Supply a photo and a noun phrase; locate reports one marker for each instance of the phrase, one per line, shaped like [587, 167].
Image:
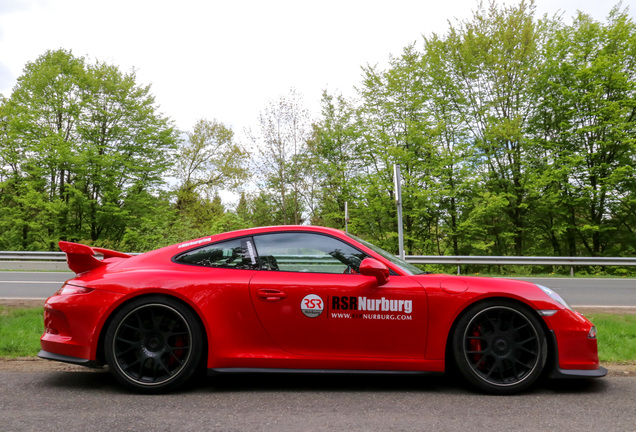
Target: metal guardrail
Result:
[32, 256]
[523, 260]
[29, 261]
[512, 260]
[15, 260]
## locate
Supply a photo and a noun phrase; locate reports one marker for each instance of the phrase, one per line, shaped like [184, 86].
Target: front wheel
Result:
[153, 344]
[500, 347]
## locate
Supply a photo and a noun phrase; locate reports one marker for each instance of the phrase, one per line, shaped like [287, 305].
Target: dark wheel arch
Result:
[149, 297]
[546, 341]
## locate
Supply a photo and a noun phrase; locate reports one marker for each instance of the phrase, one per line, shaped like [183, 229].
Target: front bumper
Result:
[559, 373]
[574, 354]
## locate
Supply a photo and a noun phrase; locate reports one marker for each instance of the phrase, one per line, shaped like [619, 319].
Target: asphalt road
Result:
[40, 285]
[80, 401]
[592, 292]
[578, 292]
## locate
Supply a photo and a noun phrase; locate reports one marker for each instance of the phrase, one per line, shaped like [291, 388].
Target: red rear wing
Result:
[81, 258]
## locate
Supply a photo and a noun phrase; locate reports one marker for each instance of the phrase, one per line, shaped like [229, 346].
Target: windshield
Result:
[408, 268]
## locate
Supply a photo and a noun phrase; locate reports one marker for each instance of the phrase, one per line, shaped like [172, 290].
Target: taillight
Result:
[72, 289]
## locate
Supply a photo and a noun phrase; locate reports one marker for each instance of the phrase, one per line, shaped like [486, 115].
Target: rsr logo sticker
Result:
[312, 305]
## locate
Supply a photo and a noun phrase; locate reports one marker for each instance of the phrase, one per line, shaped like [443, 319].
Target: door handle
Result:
[270, 294]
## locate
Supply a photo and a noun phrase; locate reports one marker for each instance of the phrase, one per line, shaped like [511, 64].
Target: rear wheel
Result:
[153, 344]
[500, 347]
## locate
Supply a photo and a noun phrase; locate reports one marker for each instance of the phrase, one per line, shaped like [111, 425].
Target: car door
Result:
[312, 301]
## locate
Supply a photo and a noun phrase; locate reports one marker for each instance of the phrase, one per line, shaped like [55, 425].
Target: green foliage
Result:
[207, 161]
[83, 146]
[616, 337]
[20, 331]
[279, 157]
[333, 147]
[515, 136]
[587, 128]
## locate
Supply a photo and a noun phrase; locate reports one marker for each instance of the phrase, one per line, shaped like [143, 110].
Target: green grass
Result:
[616, 337]
[20, 331]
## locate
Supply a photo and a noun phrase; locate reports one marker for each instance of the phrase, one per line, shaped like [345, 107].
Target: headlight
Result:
[554, 296]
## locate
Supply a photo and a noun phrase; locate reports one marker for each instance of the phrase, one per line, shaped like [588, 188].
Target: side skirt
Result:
[217, 371]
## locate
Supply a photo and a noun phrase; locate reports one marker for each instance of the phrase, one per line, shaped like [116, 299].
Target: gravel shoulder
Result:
[21, 303]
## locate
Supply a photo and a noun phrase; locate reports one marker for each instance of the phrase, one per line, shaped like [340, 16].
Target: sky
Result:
[225, 60]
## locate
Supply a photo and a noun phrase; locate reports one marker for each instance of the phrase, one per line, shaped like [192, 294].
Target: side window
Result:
[306, 252]
[235, 254]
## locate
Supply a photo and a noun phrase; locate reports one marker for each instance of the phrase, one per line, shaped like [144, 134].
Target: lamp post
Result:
[398, 202]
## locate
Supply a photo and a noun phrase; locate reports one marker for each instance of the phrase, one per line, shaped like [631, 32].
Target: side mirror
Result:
[373, 267]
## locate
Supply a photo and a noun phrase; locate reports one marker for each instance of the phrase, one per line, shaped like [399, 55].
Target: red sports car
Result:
[304, 299]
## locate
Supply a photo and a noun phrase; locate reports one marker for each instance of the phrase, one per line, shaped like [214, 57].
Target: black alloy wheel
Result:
[153, 344]
[500, 347]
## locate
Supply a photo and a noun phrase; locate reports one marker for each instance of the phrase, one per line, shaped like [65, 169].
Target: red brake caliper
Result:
[475, 345]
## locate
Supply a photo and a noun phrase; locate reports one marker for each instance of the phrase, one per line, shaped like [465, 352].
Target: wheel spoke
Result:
[129, 342]
[130, 326]
[140, 372]
[154, 320]
[514, 367]
[129, 349]
[523, 342]
[527, 366]
[164, 367]
[134, 362]
[495, 366]
[174, 356]
[493, 324]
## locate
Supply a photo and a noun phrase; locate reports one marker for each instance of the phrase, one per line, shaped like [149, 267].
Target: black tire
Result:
[153, 344]
[500, 347]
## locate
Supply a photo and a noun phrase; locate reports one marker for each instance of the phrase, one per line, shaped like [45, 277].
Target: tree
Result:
[494, 60]
[587, 127]
[208, 160]
[280, 146]
[396, 128]
[124, 148]
[82, 141]
[457, 185]
[334, 146]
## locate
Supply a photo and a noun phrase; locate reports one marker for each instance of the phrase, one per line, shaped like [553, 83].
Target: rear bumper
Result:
[72, 325]
[68, 359]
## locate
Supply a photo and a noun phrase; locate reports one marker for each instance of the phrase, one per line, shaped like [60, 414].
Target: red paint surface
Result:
[404, 324]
